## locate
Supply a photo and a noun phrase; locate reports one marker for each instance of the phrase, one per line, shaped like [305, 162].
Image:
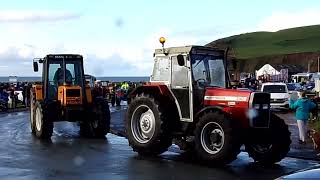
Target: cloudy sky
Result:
[117, 38]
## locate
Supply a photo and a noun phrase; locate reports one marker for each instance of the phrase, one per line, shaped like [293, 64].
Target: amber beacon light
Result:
[162, 40]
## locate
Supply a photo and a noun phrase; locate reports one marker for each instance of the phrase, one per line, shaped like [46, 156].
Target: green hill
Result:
[259, 44]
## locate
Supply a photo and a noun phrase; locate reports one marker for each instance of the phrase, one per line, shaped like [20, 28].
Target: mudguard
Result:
[156, 89]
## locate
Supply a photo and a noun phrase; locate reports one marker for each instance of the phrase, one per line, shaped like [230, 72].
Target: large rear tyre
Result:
[216, 140]
[272, 145]
[43, 126]
[97, 124]
[147, 126]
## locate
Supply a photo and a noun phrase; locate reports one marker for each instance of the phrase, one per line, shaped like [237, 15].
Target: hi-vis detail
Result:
[226, 98]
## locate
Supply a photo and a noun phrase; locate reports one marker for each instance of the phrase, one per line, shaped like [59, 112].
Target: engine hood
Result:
[226, 97]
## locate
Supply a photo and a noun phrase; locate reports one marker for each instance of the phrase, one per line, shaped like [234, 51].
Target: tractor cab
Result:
[63, 78]
[189, 71]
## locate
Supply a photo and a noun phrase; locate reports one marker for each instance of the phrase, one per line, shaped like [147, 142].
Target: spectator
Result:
[24, 94]
[247, 82]
[302, 106]
[12, 97]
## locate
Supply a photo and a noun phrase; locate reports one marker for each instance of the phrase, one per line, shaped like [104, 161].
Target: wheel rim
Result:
[143, 124]
[212, 138]
[38, 119]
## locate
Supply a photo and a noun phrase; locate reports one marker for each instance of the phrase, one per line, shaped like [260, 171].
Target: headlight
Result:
[265, 106]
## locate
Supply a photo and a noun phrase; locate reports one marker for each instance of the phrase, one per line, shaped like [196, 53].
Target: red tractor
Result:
[189, 101]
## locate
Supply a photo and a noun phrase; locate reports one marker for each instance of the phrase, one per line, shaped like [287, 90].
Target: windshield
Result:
[274, 88]
[208, 70]
[73, 73]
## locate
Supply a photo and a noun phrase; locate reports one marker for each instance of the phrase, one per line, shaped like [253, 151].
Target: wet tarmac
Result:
[67, 156]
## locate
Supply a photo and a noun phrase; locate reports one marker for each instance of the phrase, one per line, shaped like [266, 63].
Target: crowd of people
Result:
[10, 93]
[114, 91]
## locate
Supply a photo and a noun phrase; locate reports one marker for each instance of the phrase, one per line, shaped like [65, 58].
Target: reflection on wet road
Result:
[67, 156]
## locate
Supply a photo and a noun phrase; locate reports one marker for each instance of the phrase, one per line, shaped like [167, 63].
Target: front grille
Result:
[278, 100]
[73, 100]
[73, 93]
[260, 104]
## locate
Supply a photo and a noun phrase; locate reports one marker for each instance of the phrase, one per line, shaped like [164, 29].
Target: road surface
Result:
[67, 156]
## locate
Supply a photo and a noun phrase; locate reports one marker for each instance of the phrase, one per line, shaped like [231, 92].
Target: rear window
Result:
[274, 88]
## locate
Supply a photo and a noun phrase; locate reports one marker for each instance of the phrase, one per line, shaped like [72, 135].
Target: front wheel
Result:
[32, 113]
[43, 126]
[216, 141]
[272, 145]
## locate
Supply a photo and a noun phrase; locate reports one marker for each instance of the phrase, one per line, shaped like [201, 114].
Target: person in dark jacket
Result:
[302, 106]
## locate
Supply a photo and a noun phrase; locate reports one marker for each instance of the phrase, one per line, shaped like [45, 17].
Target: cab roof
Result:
[193, 49]
[66, 56]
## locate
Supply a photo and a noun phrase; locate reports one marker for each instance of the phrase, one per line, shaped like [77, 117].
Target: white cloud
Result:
[35, 16]
[289, 19]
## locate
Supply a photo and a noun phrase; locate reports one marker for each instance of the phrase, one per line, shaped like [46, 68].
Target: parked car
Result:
[293, 87]
[309, 86]
[279, 94]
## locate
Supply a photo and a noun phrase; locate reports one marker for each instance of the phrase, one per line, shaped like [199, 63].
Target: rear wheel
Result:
[272, 145]
[216, 140]
[97, 124]
[147, 126]
[43, 126]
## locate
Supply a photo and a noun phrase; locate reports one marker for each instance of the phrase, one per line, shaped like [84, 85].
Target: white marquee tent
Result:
[267, 69]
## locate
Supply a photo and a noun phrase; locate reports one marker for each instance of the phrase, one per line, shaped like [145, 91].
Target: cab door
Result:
[180, 87]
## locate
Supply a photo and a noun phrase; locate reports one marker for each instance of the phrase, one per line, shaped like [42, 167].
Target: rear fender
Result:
[152, 89]
[162, 94]
[37, 91]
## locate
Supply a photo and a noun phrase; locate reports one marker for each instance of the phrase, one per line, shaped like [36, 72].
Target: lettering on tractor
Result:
[189, 101]
[64, 95]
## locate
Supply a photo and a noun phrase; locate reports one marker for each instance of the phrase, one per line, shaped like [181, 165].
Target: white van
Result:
[279, 94]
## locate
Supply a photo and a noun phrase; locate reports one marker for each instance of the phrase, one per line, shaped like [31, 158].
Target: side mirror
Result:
[35, 66]
[180, 59]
